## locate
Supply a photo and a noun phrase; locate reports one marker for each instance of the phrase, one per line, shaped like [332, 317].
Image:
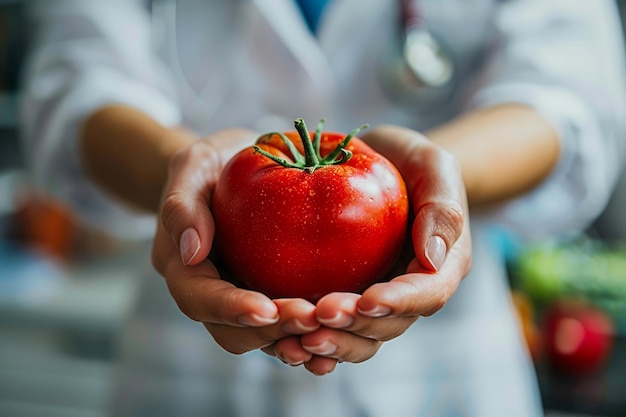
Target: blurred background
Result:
[65, 290]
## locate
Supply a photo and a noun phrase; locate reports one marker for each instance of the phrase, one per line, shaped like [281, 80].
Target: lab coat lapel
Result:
[277, 29]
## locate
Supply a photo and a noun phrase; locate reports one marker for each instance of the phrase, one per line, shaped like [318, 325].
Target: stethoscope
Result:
[428, 60]
[420, 68]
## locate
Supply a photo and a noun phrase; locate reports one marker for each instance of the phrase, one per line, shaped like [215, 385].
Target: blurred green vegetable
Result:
[588, 269]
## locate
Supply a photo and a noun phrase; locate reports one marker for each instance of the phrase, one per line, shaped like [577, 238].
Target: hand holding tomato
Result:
[344, 326]
[355, 326]
[239, 320]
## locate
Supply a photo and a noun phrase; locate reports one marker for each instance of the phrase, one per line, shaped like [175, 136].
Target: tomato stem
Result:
[317, 139]
[331, 157]
[312, 159]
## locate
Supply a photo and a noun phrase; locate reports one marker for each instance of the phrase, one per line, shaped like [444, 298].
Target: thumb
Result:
[184, 211]
[439, 203]
[435, 189]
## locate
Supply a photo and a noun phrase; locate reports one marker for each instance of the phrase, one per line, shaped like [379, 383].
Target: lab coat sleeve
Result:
[564, 58]
[85, 55]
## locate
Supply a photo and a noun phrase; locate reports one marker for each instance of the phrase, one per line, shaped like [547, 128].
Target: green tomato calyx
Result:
[311, 160]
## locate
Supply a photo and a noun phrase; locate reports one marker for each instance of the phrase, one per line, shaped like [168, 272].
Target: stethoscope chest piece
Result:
[420, 68]
[426, 59]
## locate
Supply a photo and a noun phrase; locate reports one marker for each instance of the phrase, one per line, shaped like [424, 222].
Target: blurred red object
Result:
[578, 337]
[45, 224]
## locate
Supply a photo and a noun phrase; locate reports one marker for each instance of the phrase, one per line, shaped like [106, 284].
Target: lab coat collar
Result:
[285, 20]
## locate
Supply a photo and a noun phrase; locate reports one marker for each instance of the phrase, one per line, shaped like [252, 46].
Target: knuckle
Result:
[364, 355]
[393, 328]
[202, 155]
[440, 300]
[449, 160]
[171, 208]
[391, 335]
[453, 216]
[188, 302]
[188, 309]
[224, 339]
[230, 347]
[447, 217]
[436, 306]
[235, 349]
[427, 297]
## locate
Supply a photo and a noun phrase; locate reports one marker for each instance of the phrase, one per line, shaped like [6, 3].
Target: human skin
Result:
[482, 158]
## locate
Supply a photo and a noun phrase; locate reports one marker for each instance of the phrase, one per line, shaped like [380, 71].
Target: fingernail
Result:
[378, 311]
[295, 326]
[255, 320]
[436, 252]
[340, 320]
[288, 361]
[189, 245]
[318, 373]
[324, 349]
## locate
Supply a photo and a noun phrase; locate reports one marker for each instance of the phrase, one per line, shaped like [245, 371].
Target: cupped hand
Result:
[239, 320]
[355, 326]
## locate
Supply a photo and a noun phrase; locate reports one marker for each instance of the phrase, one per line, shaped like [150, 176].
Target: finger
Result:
[340, 311]
[238, 340]
[289, 351]
[296, 316]
[434, 186]
[337, 310]
[419, 292]
[206, 298]
[437, 195]
[184, 210]
[202, 295]
[193, 173]
[341, 345]
[320, 365]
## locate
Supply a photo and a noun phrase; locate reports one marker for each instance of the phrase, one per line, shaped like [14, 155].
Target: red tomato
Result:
[579, 337]
[303, 215]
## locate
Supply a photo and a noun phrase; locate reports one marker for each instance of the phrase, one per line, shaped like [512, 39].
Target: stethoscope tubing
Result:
[411, 14]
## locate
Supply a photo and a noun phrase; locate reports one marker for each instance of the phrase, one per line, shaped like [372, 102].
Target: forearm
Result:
[127, 152]
[503, 151]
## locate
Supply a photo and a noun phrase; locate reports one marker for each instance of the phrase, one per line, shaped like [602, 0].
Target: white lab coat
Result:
[213, 64]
